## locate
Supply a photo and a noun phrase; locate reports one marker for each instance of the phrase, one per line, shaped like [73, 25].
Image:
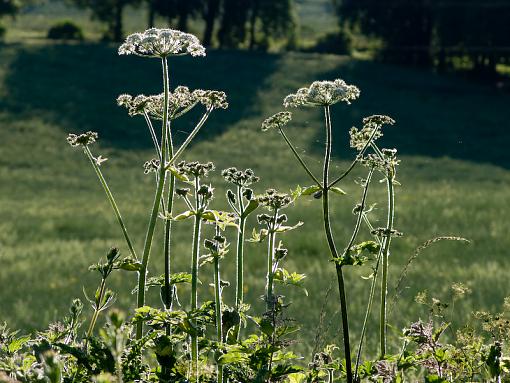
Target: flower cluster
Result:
[239, 177]
[322, 93]
[276, 121]
[83, 139]
[156, 42]
[151, 166]
[274, 200]
[195, 168]
[386, 161]
[371, 130]
[180, 101]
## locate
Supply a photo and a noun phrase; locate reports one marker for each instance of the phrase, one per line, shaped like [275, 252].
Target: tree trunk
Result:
[213, 7]
[253, 22]
[117, 26]
[152, 14]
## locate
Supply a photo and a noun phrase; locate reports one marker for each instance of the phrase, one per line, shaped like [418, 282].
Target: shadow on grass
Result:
[437, 115]
[75, 86]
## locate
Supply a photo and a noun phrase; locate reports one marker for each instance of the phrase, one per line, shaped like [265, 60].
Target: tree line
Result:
[440, 33]
[231, 23]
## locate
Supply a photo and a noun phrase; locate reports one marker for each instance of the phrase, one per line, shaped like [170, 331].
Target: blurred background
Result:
[440, 68]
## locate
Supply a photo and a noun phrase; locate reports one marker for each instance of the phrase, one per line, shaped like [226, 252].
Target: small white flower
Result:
[156, 42]
[322, 93]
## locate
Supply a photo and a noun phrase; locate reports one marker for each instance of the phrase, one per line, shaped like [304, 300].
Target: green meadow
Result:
[451, 134]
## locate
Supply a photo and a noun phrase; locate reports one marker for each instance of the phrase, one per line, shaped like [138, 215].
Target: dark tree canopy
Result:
[426, 32]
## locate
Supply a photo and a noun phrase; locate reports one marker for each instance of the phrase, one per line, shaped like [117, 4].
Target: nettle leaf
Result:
[283, 229]
[234, 354]
[337, 190]
[290, 279]
[284, 369]
[187, 214]
[17, 344]
[252, 205]
[435, 379]
[129, 264]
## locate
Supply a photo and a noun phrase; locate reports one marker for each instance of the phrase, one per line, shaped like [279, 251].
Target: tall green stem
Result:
[332, 246]
[167, 296]
[218, 309]
[111, 199]
[194, 277]
[384, 258]
[157, 200]
[270, 261]
[240, 251]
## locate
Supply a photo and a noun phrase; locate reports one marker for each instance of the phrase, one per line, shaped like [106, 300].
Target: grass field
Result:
[55, 221]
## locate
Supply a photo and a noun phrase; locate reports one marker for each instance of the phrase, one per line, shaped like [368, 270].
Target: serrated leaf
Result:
[17, 343]
[221, 218]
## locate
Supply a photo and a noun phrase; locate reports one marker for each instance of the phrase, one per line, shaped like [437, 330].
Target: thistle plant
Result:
[324, 94]
[165, 107]
[243, 203]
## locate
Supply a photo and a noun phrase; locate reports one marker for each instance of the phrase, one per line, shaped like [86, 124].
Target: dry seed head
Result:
[322, 93]
[161, 43]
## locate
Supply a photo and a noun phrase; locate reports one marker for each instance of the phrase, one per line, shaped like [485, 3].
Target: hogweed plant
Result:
[325, 94]
[204, 340]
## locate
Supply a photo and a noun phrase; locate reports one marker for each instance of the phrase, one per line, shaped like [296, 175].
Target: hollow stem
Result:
[218, 311]
[384, 259]
[111, 199]
[332, 246]
[270, 260]
[157, 201]
[194, 278]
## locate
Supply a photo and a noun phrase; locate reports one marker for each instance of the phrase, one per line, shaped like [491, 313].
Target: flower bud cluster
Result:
[387, 163]
[371, 129]
[322, 93]
[276, 121]
[195, 168]
[240, 178]
[384, 232]
[156, 42]
[206, 192]
[274, 200]
[83, 139]
[151, 166]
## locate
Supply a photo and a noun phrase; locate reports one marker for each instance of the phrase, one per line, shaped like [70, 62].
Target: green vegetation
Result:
[55, 220]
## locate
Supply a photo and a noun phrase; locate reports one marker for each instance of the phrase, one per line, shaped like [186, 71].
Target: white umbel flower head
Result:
[180, 101]
[161, 43]
[276, 121]
[322, 93]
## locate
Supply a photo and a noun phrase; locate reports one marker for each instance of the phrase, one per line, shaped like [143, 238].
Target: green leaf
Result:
[296, 193]
[310, 190]
[221, 218]
[177, 174]
[252, 205]
[185, 215]
[129, 264]
[296, 377]
[337, 190]
[290, 279]
[283, 229]
[17, 343]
